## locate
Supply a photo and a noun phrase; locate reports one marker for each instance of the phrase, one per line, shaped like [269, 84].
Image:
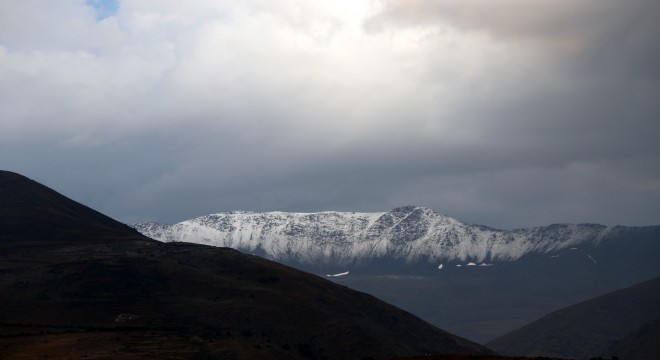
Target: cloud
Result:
[164, 110]
[518, 19]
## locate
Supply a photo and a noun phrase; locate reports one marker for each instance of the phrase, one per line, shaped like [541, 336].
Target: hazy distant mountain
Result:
[623, 323]
[473, 280]
[77, 284]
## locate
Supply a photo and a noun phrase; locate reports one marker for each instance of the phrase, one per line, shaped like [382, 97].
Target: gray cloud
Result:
[165, 111]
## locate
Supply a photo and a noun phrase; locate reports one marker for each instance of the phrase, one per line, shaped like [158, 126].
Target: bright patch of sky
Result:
[104, 8]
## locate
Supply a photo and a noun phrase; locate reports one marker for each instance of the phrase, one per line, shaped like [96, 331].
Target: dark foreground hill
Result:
[625, 323]
[77, 284]
[30, 211]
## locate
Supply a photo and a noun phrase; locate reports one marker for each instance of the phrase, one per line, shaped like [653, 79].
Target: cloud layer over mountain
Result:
[508, 114]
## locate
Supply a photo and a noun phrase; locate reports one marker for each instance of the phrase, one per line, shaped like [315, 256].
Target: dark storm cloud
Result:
[507, 114]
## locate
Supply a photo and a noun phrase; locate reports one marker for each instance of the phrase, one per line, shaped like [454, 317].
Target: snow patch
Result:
[592, 259]
[340, 274]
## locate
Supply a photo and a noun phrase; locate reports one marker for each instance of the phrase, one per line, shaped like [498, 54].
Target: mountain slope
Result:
[95, 288]
[31, 211]
[591, 328]
[642, 344]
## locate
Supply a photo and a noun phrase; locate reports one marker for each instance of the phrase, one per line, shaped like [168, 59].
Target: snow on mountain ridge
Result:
[407, 233]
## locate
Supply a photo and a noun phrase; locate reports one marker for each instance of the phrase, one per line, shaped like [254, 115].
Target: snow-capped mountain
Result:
[437, 267]
[411, 234]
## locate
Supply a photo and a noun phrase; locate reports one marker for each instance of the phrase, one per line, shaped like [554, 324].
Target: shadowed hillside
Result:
[30, 211]
[621, 323]
[643, 344]
[76, 283]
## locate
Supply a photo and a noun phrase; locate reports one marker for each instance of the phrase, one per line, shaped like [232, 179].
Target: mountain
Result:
[472, 280]
[407, 235]
[78, 284]
[623, 323]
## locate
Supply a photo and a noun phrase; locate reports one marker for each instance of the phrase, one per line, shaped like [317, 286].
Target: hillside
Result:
[620, 323]
[642, 344]
[30, 211]
[78, 284]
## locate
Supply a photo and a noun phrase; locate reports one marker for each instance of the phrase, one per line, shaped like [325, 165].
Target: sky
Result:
[508, 113]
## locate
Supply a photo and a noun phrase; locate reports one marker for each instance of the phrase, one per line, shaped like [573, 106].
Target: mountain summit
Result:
[31, 211]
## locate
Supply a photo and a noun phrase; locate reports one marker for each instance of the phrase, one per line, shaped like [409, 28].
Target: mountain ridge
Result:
[409, 234]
